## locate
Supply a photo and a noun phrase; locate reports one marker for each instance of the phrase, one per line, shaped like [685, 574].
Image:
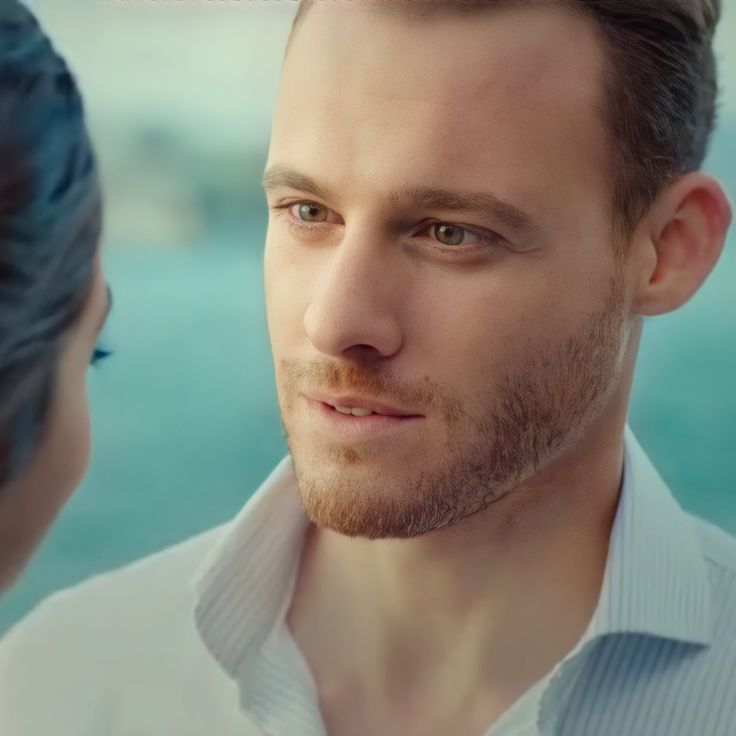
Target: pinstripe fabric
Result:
[658, 658]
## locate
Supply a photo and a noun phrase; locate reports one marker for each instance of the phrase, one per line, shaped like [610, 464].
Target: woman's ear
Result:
[685, 232]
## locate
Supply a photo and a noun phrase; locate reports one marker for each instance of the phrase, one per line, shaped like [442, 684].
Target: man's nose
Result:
[354, 303]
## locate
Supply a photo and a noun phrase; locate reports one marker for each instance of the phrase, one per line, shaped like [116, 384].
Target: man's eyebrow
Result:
[280, 176]
[483, 203]
[478, 202]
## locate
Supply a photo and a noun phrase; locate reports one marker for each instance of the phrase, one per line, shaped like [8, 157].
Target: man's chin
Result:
[356, 501]
[363, 522]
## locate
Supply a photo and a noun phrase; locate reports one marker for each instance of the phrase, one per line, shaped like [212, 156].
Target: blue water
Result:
[186, 421]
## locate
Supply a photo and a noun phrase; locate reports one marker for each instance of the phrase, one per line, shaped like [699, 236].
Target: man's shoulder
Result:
[148, 589]
[717, 545]
[122, 643]
[719, 552]
[150, 592]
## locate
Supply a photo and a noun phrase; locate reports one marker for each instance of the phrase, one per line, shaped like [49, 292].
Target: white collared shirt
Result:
[193, 641]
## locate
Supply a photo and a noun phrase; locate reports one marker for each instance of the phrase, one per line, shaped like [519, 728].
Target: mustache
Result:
[371, 380]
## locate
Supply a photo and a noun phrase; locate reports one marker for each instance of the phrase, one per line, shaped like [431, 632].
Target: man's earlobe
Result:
[690, 224]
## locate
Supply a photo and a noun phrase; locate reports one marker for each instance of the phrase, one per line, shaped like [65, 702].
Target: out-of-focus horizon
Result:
[179, 96]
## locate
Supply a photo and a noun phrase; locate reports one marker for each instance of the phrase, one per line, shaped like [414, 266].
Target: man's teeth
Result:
[356, 412]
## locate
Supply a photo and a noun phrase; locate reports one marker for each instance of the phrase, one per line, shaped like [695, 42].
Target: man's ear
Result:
[684, 235]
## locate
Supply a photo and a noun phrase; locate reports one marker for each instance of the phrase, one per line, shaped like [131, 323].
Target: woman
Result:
[53, 299]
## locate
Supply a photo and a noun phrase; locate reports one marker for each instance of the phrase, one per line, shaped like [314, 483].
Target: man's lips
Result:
[358, 402]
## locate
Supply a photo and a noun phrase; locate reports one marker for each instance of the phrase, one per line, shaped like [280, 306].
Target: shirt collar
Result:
[656, 580]
[655, 583]
[244, 585]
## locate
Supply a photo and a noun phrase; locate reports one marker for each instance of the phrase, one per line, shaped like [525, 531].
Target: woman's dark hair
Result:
[50, 223]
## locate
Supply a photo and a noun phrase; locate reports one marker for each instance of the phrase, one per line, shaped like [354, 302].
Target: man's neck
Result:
[489, 605]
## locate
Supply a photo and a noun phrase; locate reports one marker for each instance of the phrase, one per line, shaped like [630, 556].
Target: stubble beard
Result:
[537, 411]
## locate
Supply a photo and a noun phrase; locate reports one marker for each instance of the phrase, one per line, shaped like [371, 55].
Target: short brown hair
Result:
[660, 89]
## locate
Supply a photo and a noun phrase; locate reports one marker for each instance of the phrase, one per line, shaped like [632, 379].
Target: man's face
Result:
[439, 250]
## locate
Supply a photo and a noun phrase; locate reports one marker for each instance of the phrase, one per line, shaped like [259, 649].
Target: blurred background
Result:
[179, 96]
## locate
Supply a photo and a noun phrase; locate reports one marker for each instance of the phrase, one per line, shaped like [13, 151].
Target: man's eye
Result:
[309, 212]
[453, 235]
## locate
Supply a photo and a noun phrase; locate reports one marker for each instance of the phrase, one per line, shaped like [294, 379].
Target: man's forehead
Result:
[411, 9]
[517, 49]
[506, 105]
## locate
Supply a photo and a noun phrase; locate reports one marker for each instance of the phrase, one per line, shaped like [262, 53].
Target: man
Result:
[473, 206]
